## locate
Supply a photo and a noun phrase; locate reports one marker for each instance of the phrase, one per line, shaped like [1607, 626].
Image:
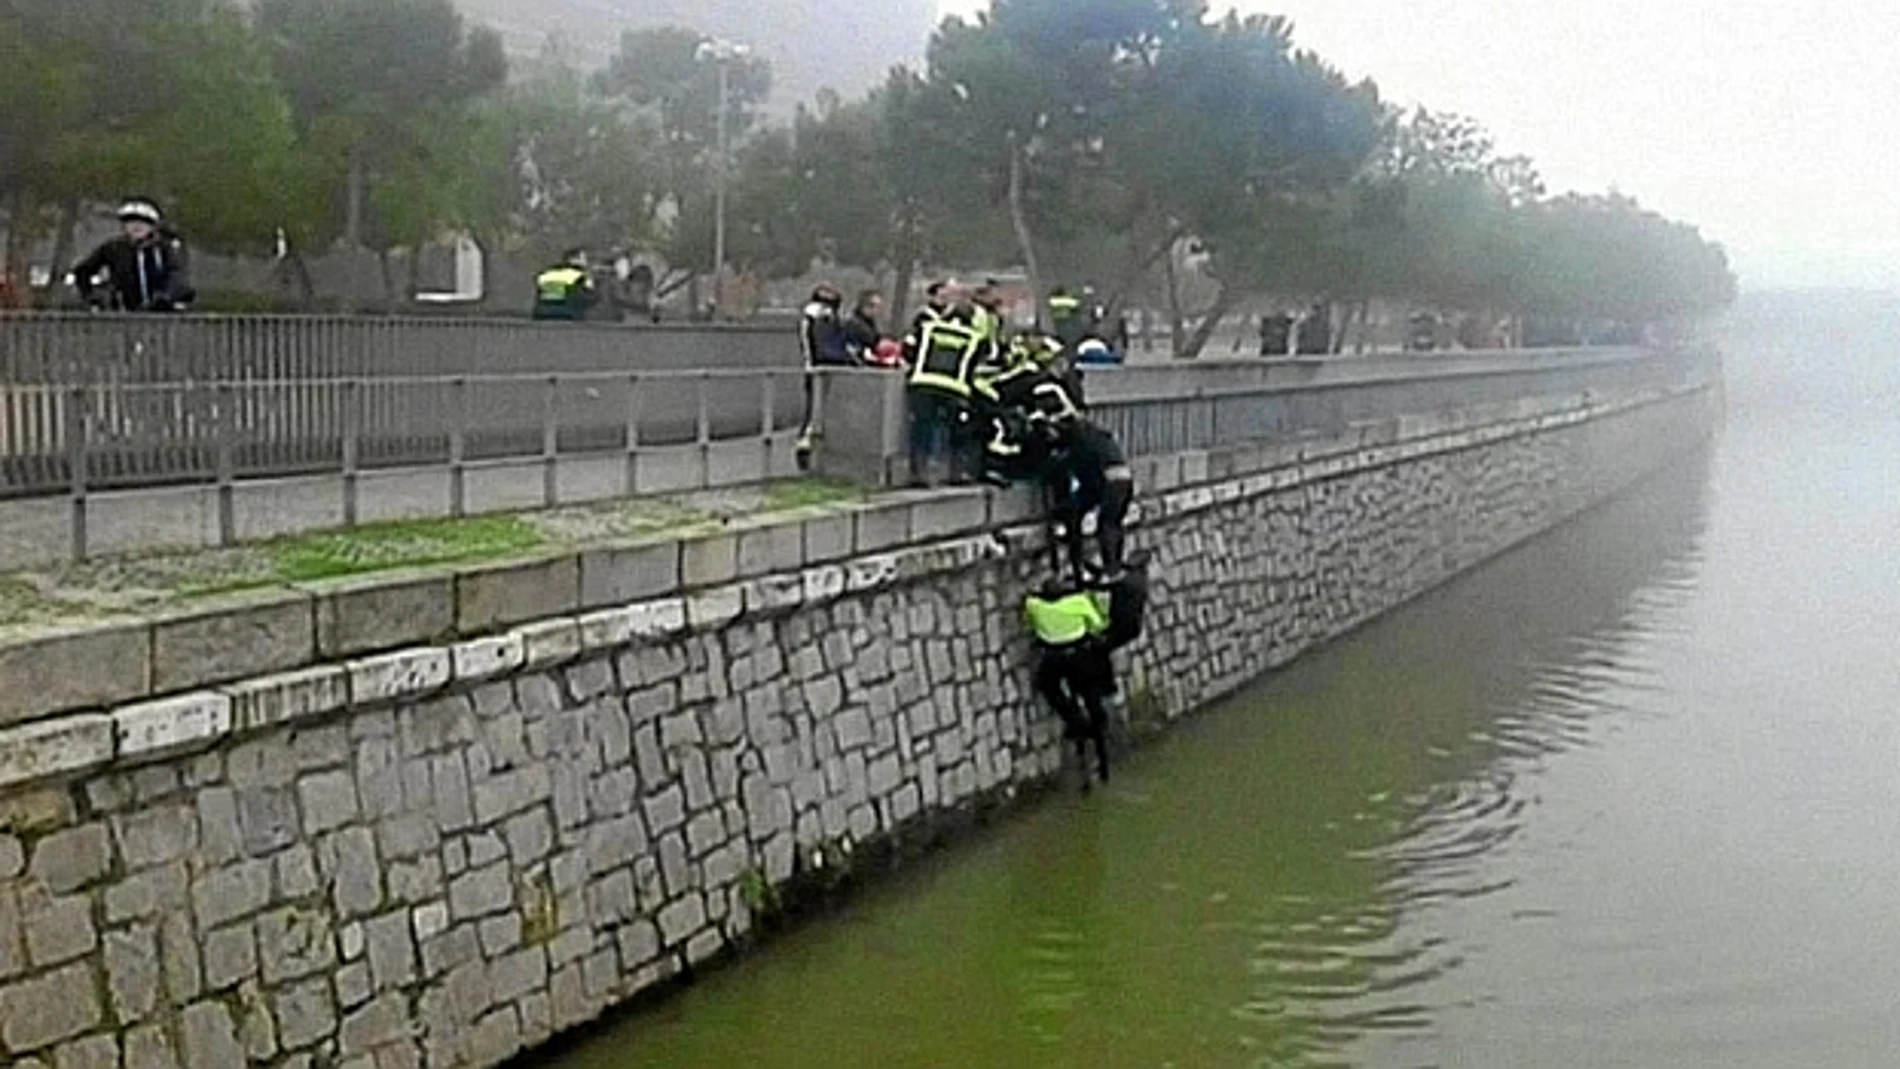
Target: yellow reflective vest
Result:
[1065, 621]
[948, 352]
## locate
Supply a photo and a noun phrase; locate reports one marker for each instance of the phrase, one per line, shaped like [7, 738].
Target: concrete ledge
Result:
[170, 726]
[499, 595]
[385, 612]
[881, 526]
[946, 515]
[829, 538]
[263, 703]
[709, 560]
[232, 638]
[620, 574]
[765, 548]
[75, 668]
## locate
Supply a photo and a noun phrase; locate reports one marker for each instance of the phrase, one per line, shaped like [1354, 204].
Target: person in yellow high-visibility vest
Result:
[942, 386]
[1074, 673]
[566, 290]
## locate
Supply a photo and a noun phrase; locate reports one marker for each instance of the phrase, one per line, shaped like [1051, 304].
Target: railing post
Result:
[352, 434]
[768, 415]
[551, 443]
[705, 430]
[224, 419]
[458, 445]
[78, 428]
[633, 435]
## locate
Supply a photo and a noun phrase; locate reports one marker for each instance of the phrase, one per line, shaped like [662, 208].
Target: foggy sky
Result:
[1769, 124]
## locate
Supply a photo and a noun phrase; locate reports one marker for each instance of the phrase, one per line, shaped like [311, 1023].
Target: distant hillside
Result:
[812, 45]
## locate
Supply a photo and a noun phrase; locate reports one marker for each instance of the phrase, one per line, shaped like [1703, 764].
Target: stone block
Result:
[223, 895]
[59, 930]
[233, 639]
[156, 835]
[283, 699]
[881, 526]
[774, 594]
[829, 538]
[867, 574]
[682, 919]
[550, 643]
[59, 747]
[623, 574]
[171, 725]
[399, 676]
[328, 800]
[80, 668]
[362, 615]
[710, 610]
[483, 659]
[770, 548]
[948, 514]
[305, 1014]
[497, 596]
[230, 956]
[49, 1008]
[709, 560]
[481, 893]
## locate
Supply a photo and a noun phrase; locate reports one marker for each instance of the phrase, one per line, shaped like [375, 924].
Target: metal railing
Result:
[1233, 414]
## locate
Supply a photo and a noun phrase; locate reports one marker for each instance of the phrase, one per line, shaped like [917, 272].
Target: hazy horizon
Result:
[1761, 123]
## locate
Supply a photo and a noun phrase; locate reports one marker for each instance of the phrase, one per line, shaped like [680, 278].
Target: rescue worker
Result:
[941, 392]
[1074, 673]
[566, 290]
[1088, 474]
[822, 342]
[937, 301]
[146, 268]
[1067, 318]
[989, 313]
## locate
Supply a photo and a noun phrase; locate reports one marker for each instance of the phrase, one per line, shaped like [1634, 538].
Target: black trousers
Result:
[1076, 681]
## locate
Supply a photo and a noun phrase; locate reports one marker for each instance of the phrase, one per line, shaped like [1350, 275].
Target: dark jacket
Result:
[861, 336]
[150, 277]
[821, 337]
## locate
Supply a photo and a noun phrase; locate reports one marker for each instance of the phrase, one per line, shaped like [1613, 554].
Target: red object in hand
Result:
[888, 353]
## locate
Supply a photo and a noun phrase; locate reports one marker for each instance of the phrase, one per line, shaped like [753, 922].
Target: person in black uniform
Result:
[1089, 473]
[941, 393]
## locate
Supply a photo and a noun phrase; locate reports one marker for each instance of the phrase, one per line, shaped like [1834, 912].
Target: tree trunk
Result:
[63, 240]
[13, 253]
[1177, 323]
[900, 287]
[1223, 304]
[1019, 219]
[353, 209]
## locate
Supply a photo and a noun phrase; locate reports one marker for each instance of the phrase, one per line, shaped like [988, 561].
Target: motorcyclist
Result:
[145, 269]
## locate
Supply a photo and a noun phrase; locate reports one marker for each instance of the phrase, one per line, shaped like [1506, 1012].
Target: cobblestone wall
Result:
[528, 829]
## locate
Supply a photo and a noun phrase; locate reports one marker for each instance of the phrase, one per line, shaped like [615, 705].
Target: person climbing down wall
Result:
[1073, 671]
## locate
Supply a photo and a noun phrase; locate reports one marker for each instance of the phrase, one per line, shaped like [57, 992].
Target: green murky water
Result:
[1629, 796]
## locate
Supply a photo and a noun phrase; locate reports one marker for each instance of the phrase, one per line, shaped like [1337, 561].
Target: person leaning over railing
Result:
[949, 352]
[145, 269]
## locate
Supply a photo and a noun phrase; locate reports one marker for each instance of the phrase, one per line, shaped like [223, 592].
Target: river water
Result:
[1629, 796]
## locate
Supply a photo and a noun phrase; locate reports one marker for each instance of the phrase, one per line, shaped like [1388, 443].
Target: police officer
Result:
[1066, 317]
[1074, 673]
[937, 301]
[942, 389]
[566, 290]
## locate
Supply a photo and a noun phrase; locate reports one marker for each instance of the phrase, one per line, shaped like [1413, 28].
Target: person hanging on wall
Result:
[1074, 673]
[1087, 474]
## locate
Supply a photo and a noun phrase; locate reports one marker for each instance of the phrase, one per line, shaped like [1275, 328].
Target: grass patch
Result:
[787, 494]
[382, 547]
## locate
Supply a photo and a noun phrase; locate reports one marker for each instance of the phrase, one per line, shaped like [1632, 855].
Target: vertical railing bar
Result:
[458, 446]
[352, 402]
[551, 443]
[633, 434]
[224, 427]
[78, 459]
[704, 380]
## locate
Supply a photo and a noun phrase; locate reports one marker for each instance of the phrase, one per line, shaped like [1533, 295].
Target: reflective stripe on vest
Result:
[946, 357]
[1064, 621]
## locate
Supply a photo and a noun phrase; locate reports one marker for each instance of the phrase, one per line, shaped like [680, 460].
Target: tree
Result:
[380, 89]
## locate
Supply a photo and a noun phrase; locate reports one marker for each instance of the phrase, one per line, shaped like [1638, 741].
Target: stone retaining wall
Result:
[574, 778]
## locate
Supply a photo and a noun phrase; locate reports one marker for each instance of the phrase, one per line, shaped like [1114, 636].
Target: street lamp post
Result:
[722, 53]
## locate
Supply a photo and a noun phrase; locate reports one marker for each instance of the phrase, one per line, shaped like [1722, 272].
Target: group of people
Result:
[986, 404]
